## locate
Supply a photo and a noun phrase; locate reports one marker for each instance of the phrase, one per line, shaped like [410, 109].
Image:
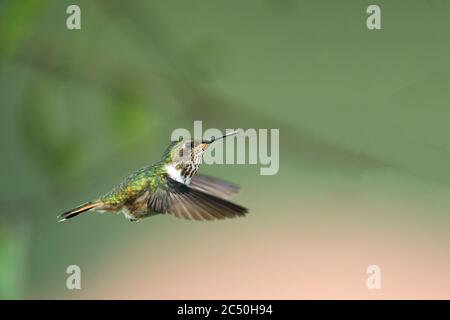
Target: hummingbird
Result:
[170, 186]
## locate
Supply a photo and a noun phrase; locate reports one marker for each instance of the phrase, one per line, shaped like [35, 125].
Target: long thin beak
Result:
[206, 143]
[222, 137]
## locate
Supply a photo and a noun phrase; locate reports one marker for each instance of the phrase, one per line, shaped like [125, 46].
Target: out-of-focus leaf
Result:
[13, 256]
[16, 23]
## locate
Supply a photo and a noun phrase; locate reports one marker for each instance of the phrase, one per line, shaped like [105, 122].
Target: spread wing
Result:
[182, 201]
[214, 186]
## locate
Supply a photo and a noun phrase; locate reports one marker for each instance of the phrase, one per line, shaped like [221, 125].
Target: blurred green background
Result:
[364, 151]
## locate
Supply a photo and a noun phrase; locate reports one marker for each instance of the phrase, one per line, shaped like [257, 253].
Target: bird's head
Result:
[189, 151]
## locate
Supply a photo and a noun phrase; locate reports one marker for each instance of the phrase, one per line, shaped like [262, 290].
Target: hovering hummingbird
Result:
[170, 186]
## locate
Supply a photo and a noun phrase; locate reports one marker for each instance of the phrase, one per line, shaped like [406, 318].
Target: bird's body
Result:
[169, 186]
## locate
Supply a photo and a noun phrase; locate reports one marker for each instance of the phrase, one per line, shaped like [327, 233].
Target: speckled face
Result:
[189, 152]
[185, 160]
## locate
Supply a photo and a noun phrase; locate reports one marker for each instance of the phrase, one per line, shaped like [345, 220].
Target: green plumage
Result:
[150, 177]
[169, 186]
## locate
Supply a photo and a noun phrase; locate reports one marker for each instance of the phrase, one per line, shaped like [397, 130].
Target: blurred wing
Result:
[189, 203]
[214, 186]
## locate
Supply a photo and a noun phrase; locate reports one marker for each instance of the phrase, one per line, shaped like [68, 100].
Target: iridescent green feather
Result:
[141, 180]
[149, 177]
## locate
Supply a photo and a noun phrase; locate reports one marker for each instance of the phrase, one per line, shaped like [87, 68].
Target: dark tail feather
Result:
[78, 210]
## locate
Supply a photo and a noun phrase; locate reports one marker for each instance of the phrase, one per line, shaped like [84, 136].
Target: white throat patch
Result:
[175, 174]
